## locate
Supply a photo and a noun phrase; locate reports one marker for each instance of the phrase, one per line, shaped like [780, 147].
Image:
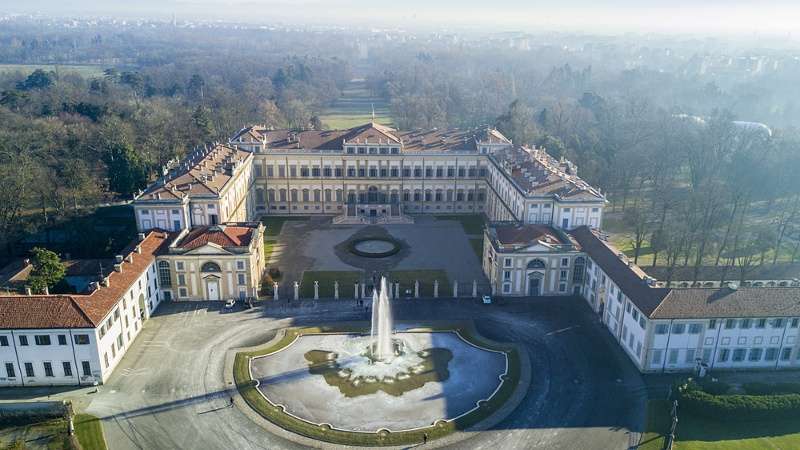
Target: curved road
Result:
[169, 392]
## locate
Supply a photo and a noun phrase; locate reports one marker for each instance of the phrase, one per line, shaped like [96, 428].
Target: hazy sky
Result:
[714, 16]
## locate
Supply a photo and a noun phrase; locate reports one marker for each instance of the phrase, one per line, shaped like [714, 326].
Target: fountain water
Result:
[381, 330]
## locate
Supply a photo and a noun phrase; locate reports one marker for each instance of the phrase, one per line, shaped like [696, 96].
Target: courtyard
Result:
[443, 249]
[172, 389]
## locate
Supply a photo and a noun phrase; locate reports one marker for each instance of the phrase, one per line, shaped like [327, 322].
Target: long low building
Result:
[679, 329]
[79, 339]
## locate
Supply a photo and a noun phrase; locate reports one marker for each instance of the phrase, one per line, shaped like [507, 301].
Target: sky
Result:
[693, 16]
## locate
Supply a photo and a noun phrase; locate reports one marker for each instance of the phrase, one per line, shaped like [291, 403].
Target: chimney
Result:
[138, 249]
[93, 286]
[46, 290]
[106, 282]
[117, 267]
[118, 259]
[129, 257]
[28, 290]
[141, 237]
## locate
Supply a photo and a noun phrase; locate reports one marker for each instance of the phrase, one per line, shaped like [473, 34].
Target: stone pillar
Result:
[435, 288]
[275, 290]
[474, 288]
[355, 289]
[396, 289]
[336, 290]
[416, 288]
[455, 288]
[316, 290]
[363, 290]
[296, 290]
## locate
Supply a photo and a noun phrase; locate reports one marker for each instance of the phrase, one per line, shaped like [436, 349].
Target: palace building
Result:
[370, 173]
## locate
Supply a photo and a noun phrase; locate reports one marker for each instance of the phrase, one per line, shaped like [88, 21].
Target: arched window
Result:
[536, 264]
[578, 271]
[164, 278]
[210, 267]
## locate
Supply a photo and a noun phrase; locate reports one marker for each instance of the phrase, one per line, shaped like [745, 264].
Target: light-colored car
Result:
[487, 299]
[230, 303]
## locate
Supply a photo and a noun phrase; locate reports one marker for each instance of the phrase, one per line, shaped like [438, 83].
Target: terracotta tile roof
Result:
[698, 303]
[786, 271]
[95, 306]
[525, 235]
[628, 279]
[222, 235]
[372, 133]
[205, 172]
[52, 311]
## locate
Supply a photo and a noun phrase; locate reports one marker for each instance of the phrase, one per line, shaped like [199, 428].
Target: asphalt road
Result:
[169, 391]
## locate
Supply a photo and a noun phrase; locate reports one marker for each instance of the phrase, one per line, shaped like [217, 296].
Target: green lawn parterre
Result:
[248, 390]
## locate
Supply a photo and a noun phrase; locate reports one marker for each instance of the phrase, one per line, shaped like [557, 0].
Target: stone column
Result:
[416, 288]
[455, 288]
[355, 290]
[474, 288]
[296, 290]
[435, 288]
[336, 290]
[275, 290]
[316, 290]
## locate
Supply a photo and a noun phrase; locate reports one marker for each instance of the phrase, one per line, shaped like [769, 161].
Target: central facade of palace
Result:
[370, 173]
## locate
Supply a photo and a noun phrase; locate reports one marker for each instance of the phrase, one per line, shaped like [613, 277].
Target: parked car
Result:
[487, 299]
[230, 303]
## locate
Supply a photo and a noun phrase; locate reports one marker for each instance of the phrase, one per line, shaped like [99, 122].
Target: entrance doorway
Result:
[212, 288]
[535, 284]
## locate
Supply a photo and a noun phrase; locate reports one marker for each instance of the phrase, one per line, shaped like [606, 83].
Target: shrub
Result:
[274, 273]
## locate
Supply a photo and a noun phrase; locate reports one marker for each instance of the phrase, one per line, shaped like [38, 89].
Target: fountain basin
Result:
[374, 247]
[473, 374]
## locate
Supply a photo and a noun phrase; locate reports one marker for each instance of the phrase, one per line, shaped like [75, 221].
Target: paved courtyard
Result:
[169, 390]
[432, 244]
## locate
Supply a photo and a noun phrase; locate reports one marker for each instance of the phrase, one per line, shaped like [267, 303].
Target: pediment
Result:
[209, 249]
[536, 248]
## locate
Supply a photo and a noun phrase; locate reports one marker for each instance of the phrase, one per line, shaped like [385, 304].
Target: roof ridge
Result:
[80, 308]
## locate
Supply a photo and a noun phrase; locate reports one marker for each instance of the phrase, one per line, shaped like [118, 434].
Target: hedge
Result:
[739, 407]
[771, 389]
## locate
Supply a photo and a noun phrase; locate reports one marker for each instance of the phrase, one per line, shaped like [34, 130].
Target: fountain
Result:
[381, 330]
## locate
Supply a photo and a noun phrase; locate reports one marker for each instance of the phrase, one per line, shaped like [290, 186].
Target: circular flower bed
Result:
[374, 247]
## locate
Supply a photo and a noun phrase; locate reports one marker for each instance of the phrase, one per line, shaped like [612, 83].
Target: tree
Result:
[202, 123]
[47, 270]
[518, 123]
[194, 88]
[126, 170]
[39, 79]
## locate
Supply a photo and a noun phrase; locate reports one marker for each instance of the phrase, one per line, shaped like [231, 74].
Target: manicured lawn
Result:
[269, 247]
[275, 414]
[355, 107]
[326, 279]
[274, 224]
[83, 70]
[700, 433]
[89, 430]
[477, 247]
[473, 224]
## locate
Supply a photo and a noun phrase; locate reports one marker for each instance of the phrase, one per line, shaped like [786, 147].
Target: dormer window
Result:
[351, 150]
[395, 150]
[362, 150]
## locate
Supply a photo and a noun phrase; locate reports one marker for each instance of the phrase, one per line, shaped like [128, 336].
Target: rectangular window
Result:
[87, 368]
[29, 370]
[695, 328]
[724, 355]
[755, 354]
[761, 323]
[730, 323]
[42, 339]
[10, 372]
[179, 265]
[738, 354]
[689, 356]
[239, 265]
[786, 353]
[62, 339]
[3, 341]
[506, 274]
[795, 322]
[771, 354]
[67, 368]
[120, 341]
[777, 323]
[507, 262]
[656, 356]
[662, 328]
[240, 278]
[673, 356]
[744, 324]
[712, 324]
[678, 328]
[81, 339]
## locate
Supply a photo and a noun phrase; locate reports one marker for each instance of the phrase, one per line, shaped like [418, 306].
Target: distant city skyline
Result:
[682, 16]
